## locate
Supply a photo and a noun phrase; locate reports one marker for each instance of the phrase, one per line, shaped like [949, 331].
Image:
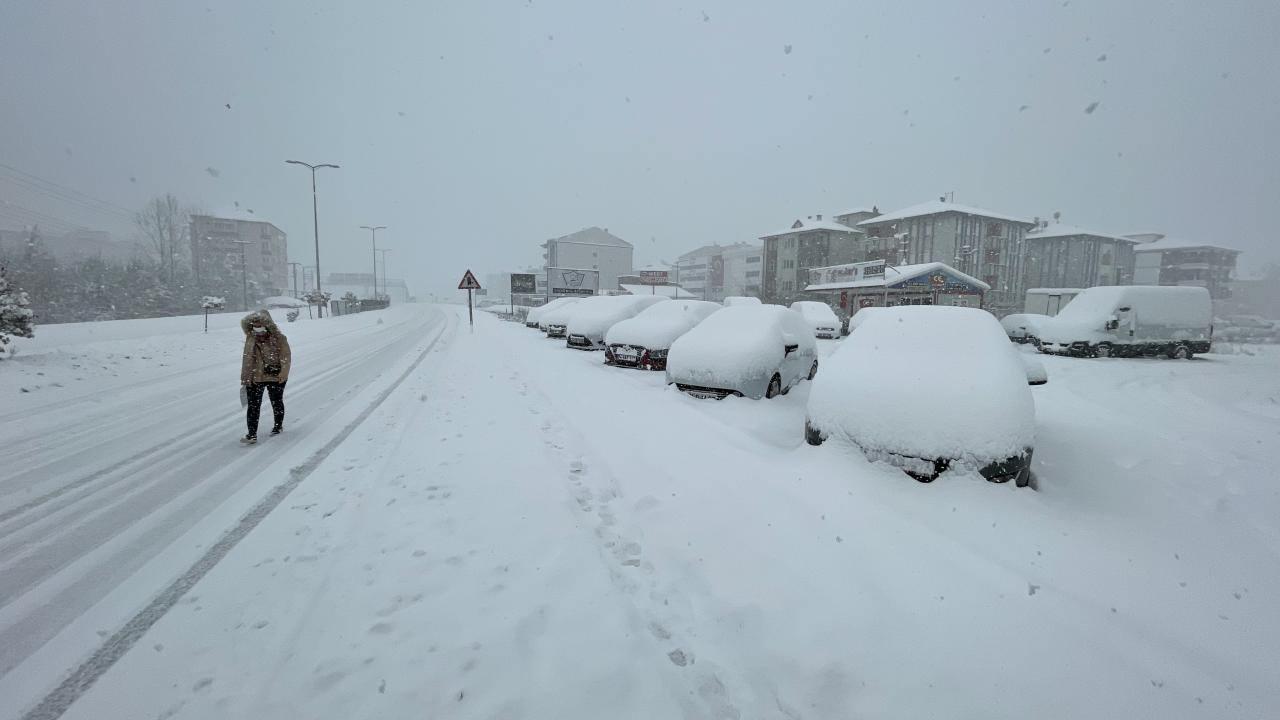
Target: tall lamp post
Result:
[295, 266]
[373, 234]
[244, 270]
[315, 215]
[384, 252]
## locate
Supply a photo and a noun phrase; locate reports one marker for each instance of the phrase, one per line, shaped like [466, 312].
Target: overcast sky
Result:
[476, 130]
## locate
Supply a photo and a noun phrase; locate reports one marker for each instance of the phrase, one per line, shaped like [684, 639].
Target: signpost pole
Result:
[471, 317]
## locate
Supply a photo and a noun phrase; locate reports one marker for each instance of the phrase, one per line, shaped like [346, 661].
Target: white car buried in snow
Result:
[555, 323]
[1024, 327]
[928, 389]
[820, 317]
[534, 318]
[755, 351]
[588, 324]
[643, 341]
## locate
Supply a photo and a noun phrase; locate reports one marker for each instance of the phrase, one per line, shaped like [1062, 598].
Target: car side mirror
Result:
[790, 348]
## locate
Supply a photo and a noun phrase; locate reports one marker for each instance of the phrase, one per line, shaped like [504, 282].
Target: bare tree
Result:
[164, 225]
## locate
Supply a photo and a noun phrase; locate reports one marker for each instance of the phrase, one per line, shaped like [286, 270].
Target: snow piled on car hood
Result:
[733, 345]
[927, 382]
[536, 314]
[817, 314]
[658, 326]
[593, 319]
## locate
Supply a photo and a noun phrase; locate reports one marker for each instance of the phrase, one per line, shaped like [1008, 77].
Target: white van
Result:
[1132, 320]
[1048, 301]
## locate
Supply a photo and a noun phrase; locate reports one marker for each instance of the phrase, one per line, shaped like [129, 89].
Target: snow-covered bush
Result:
[16, 317]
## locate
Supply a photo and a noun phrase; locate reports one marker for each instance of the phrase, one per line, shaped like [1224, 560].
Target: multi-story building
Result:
[1168, 261]
[789, 255]
[980, 243]
[1065, 256]
[217, 244]
[591, 249]
[714, 272]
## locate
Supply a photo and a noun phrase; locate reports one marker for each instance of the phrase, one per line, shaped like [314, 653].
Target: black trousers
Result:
[274, 390]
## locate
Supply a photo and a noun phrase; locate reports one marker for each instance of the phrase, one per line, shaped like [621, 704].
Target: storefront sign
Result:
[653, 277]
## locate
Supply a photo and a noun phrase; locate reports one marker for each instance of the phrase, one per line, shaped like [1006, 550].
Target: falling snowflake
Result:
[213, 172]
[1102, 57]
[1092, 106]
[786, 49]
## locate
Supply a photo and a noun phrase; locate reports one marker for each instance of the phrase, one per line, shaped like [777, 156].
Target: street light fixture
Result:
[373, 232]
[315, 215]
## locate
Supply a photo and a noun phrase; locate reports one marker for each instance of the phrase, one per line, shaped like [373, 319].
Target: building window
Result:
[753, 273]
[754, 259]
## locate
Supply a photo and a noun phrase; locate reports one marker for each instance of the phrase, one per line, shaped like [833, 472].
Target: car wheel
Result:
[1103, 350]
[1179, 352]
[813, 370]
[939, 466]
[812, 435]
[775, 387]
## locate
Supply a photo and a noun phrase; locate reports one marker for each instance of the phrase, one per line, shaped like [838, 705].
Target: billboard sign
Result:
[523, 284]
[569, 282]
[850, 273]
[653, 277]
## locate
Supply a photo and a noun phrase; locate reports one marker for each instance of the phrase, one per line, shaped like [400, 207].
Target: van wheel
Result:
[813, 370]
[1179, 352]
[1103, 350]
[812, 435]
[775, 387]
[1023, 478]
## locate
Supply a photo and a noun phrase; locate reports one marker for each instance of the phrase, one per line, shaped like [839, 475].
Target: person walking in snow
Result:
[263, 368]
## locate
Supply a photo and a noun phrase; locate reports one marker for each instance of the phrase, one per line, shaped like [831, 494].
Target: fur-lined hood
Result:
[261, 316]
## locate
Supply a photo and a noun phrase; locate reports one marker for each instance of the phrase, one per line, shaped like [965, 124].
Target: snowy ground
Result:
[518, 531]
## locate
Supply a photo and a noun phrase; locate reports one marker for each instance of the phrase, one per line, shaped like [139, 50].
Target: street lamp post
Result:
[295, 266]
[373, 233]
[244, 270]
[384, 252]
[315, 214]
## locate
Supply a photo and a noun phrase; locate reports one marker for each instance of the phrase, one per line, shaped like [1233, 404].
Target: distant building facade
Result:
[592, 248]
[714, 272]
[216, 246]
[789, 255]
[1065, 256]
[1168, 261]
[980, 243]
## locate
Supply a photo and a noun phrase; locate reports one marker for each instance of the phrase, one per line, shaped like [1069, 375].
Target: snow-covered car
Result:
[1132, 320]
[759, 351]
[589, 323]
[534, 318]
[928, 388]
[555, 323]
[820, 317]
[735, 300]
[1023, 327]
[1245, 328]
[644, 340]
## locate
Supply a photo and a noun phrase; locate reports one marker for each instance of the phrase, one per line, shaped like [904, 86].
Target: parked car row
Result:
[924, 388]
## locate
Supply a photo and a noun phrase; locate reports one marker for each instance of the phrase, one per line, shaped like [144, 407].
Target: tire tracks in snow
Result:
[80, 680]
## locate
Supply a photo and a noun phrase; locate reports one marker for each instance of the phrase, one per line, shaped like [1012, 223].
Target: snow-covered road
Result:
[109, 471]
[521, 532]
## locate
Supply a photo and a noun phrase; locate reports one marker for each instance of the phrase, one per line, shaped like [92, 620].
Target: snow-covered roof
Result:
[662, 290]
[717, 249]
[594, 236]
[1058, 230]
[1169, 243]
[854, 211]
[933, 207]
[241, 214]
[808, 225]
[901, 273]
[1054, 291]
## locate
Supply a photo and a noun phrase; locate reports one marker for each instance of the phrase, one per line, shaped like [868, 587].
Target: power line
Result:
[79, 205]
[65, 189]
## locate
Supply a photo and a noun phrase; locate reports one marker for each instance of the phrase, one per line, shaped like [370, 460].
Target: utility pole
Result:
[373, 235]
[385, 289]
[295, 266]
[244, 270]
[315, 214]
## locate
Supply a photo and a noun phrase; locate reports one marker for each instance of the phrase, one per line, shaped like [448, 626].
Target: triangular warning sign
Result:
[469, 282]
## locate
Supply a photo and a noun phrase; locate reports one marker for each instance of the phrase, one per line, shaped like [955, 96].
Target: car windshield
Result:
[618, 359]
